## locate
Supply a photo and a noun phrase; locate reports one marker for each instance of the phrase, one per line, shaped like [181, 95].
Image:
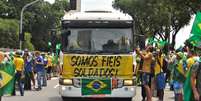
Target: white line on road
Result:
[54, 78]
[56, 86]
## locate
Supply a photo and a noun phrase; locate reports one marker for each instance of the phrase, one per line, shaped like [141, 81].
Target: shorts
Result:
[178, 87]
[146, 78]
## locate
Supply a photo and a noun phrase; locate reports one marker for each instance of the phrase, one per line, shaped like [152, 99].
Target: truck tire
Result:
[64, 98]
[67, 99]
[122, 99]
[127, 99]
[72, 99]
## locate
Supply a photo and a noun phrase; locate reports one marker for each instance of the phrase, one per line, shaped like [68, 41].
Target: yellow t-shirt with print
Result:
[19, 64]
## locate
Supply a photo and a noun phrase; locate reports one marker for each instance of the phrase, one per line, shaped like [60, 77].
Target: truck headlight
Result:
[65, 82]
[128, 82]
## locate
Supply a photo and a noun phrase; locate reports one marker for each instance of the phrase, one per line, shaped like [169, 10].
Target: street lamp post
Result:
[21, 18]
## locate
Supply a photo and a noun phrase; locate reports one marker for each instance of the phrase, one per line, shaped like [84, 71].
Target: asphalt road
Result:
[50, 93]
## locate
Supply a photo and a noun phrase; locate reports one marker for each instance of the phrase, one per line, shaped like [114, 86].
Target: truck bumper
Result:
[124, 92]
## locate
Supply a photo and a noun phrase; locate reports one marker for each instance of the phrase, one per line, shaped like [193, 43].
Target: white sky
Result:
[183, 34]
[51, 1]
[96, 4]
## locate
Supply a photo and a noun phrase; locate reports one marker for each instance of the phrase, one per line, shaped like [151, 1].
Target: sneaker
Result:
[38, 89]
[44, 85]
[33, 88]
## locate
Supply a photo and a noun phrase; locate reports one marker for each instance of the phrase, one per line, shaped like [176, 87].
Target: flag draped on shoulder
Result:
[7, 72]
[196, 29]
[188, 92]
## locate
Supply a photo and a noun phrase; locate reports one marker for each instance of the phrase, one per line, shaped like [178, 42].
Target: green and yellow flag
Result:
[195, 38]
[196, 29]
[96, 86]
[151, 41]
[7, 72]
[188, 92]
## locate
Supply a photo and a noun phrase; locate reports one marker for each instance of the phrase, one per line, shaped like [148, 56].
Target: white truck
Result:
[97, 61]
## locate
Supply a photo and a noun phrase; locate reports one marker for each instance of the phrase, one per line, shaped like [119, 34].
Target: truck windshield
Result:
[96, 40]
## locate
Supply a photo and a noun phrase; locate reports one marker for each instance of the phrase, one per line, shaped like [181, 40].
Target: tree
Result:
[38, 18]
[46, 17]
[162, 18]
[9, 33]
[3, 8]
[27, 43]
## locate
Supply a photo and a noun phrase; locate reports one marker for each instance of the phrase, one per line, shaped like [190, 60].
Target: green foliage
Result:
[3, 8]
[38, 19]
[27, 43]
[159, 17]
[8, 33]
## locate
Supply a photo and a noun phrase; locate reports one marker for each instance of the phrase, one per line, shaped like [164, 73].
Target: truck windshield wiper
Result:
[110, 52]
[78, 51]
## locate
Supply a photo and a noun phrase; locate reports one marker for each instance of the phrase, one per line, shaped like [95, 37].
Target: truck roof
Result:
[97, 15]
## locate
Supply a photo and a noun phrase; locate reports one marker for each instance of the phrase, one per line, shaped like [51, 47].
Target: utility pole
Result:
[21, 20]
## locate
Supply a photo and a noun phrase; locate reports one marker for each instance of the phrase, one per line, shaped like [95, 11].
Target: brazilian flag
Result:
[96, 86]
[7, 72]
[196, 30]
[188, 92]
[195, 38]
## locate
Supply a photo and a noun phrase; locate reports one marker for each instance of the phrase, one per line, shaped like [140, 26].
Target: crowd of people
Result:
[154, 69]
[28, 70]
[181, 69]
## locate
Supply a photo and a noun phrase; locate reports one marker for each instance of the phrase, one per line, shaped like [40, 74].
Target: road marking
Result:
[54, 78]
[56, 86]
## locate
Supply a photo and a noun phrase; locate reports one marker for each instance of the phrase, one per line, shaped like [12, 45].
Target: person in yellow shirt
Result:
[190, 60]
[146, 70]
[19, 66]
